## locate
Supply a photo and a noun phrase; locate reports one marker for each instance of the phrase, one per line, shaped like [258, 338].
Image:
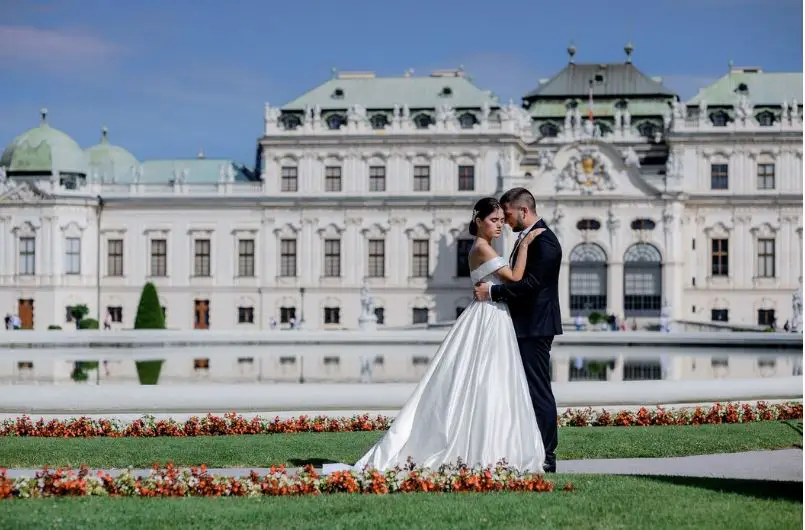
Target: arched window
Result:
[588, 224]
[290, 122]
[335, 121]
[422, 121]
[719, 118]
[765, 118]
[549, 130]
[643, 224]
[588, 279]
[642, 281]
[467, 120]
[647, 129]
[379, 121]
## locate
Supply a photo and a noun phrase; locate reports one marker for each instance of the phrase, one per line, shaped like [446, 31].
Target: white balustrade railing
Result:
[270, 400]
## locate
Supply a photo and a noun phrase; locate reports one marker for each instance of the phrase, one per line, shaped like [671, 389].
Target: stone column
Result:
[615, 267]
[398, 252]
[56, 246]
[354, 254]
[307, 257]
[673, 265]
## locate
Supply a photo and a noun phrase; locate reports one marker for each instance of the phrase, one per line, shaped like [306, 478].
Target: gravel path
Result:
[781, 465]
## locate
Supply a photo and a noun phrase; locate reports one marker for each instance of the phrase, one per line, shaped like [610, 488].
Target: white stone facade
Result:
[390, 207]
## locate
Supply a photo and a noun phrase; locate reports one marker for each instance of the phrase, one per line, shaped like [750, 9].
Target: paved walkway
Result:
[782, 465]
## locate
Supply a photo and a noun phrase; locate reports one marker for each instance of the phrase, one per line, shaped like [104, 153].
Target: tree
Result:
[149, 311]
[149, 316]
[79, 312]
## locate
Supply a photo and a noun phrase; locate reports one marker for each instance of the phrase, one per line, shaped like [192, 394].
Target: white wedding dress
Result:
[473, 403]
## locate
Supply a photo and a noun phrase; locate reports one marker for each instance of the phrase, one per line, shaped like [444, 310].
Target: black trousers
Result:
[536, 355]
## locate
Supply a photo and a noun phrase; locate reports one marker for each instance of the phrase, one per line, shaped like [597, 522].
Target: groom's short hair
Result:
[519, 197]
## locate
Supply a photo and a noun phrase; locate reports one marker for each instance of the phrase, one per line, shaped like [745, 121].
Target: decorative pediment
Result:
[593, 168]
[24, 194]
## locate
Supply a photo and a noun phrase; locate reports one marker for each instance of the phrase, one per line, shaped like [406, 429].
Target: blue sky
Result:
[170, 77]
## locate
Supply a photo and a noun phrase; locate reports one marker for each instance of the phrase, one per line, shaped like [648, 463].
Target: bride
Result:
[473, 402]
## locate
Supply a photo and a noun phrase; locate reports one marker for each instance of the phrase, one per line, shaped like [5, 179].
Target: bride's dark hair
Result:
[482, 210]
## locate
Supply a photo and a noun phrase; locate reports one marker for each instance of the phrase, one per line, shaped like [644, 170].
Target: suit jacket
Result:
[534, 300]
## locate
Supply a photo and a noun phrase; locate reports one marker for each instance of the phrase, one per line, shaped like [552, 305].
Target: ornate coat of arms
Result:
[586, 172]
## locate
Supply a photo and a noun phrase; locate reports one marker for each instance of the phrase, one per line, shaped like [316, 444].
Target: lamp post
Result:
[301, 306]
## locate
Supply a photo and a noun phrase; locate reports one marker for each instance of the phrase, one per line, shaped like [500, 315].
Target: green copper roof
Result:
[553, 108]
[762, 88]
[616, 80]
[44, 150]
[196, 171]
[110, 162]
[384, 92]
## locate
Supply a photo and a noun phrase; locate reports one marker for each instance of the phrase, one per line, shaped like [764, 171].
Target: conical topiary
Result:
[149, 311]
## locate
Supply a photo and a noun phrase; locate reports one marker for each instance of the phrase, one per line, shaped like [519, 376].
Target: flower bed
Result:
[196, 482]
[233, 424]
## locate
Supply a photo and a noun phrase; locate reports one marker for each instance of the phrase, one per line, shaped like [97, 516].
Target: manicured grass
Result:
[316, 448]
[598, 502]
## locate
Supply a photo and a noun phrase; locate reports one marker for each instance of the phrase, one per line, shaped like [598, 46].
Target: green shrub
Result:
[89, 323]
[148, 371]
[54, 326]
[79, 311]
[149, 311]
[595, 318]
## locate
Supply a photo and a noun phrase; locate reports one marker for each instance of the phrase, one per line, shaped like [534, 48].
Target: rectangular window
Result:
[463, 258]
[159, 257]
[289, 178]
[332, 315]
[377, 178]
[765, 176]
[245, 315]
[27, 256]
[420, 262]
[115, 314]
[287, 314]
[766, 317]
[288, 258]
[377, 258]
[719, 176]
[720, 315]
[765, 258]
[332, 178]
[421, 178]
[72, 255]
[114, 257]
[466, 178]
[201, 262]
[719, 257]
[246, 258]
[420, 315]
[332, 258]
[380, 314]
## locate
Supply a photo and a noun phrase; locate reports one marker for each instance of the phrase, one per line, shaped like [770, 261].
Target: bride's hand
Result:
[532, 235]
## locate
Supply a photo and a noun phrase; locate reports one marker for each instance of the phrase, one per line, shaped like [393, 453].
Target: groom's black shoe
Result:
[550, 469]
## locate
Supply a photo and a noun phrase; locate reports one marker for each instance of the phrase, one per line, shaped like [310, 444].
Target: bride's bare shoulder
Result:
[480, 253]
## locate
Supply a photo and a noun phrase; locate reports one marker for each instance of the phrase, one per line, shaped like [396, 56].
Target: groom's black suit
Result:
[534, 306]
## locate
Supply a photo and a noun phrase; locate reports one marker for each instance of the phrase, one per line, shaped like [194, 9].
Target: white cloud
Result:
[52, 50]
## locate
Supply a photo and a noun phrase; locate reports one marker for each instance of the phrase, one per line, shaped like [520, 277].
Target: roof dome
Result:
[44, 150]
[109, 162]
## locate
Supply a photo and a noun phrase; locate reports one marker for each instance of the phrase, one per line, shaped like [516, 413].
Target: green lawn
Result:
[598, 502]
[298, 449]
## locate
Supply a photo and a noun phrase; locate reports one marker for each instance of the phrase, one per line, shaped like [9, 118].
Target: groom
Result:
[534, 306]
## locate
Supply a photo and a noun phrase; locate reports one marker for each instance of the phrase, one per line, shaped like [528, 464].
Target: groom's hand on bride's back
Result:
[481, 291]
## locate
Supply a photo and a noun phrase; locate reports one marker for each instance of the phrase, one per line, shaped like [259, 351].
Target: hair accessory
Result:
[474, 214]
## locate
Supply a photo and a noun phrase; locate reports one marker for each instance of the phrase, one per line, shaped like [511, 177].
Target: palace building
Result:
[690, 209]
